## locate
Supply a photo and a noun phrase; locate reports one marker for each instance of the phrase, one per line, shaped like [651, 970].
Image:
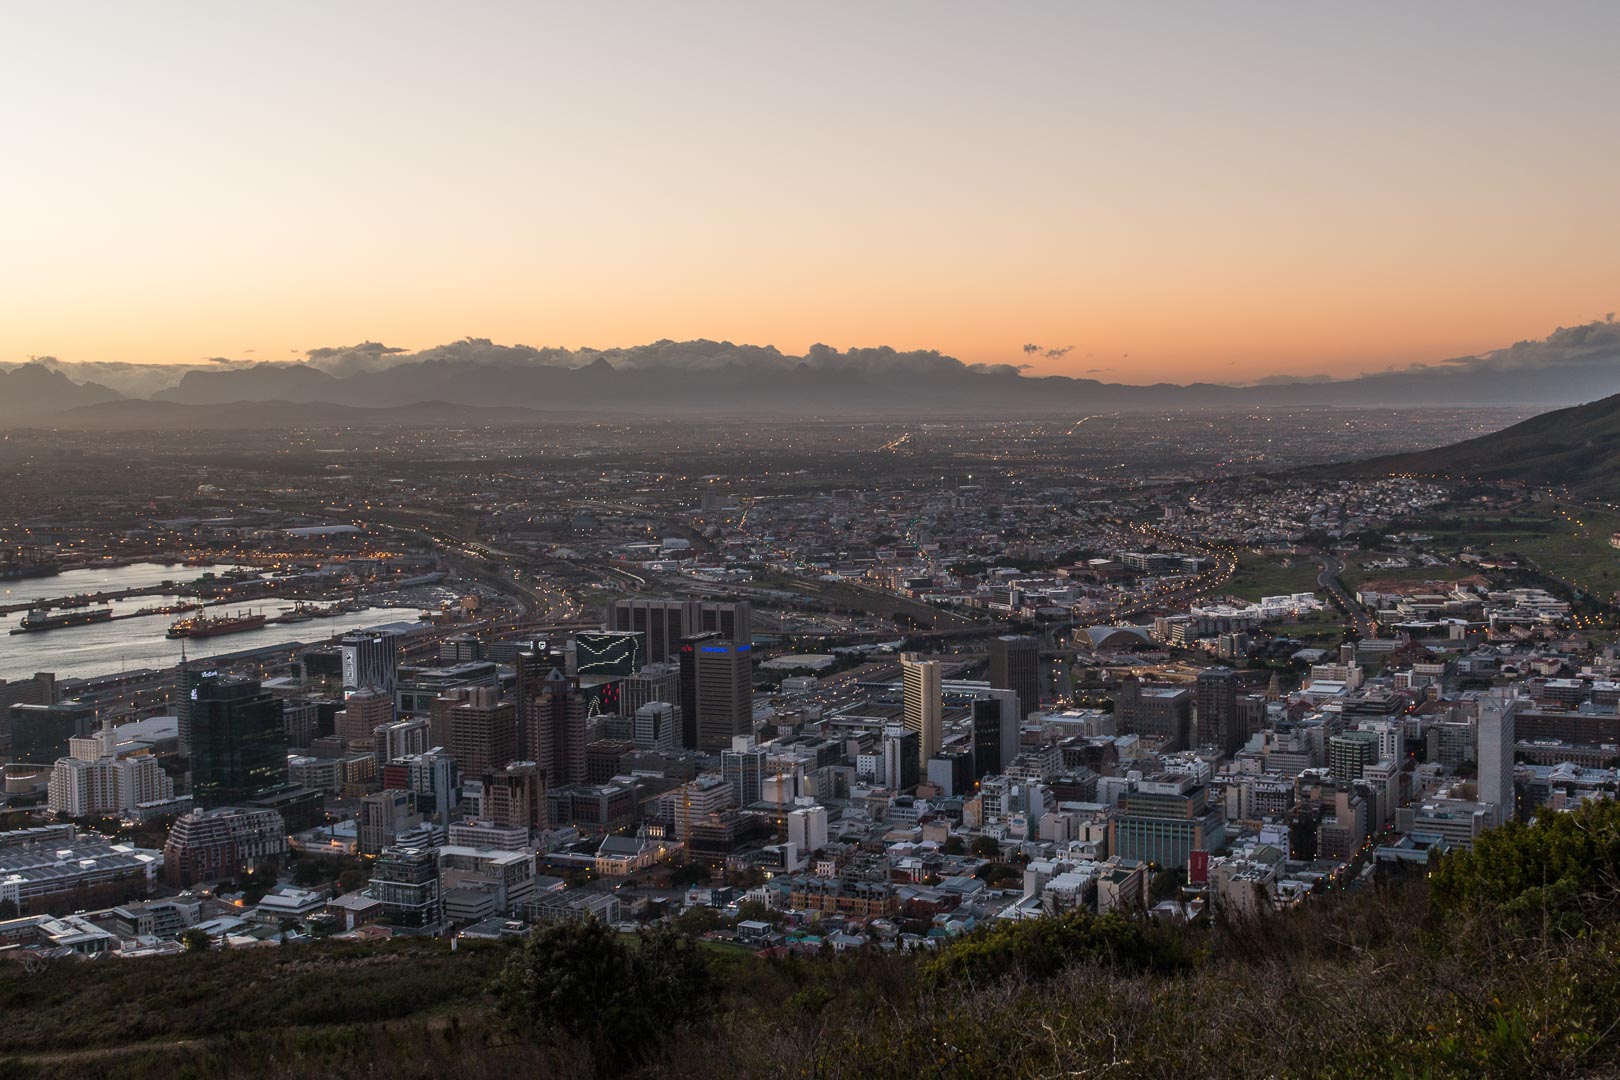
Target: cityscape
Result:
[687, 708]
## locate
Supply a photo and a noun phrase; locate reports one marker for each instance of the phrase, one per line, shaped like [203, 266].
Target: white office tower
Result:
[1496, 737]
[655, 726]
[371, 661]
[925, 705]
[807, 828]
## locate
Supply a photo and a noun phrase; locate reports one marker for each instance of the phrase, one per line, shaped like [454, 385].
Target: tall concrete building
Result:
[1497, 713]
[515, 797]
[1216, 706]
[666, 622]
[687, 657]
[554, 715]
[1015, 664]
[724, 674]
[656, 726]
[363, 712]
[1162, 714]
[655, 682]
[743, 767]
[924, 705]
[483, 732]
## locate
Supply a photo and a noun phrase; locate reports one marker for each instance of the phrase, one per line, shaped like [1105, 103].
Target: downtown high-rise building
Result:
[724, 676]
[1497, 715]
[238, 741]
[370, 661]
[666, 622]
[482, 732]
[1015, 664]
[553, 714]
[924, 705]
[1215, 707]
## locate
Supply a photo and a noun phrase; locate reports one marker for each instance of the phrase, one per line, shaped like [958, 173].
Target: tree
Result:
[196, 940]
[581, 980]
[8, 909]
[986, 847]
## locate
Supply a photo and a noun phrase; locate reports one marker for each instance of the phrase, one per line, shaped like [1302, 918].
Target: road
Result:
[1332, 566]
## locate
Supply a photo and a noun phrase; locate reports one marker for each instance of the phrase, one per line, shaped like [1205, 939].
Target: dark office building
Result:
[689, 686]
[1162, 714]
[609, 652]
[1220, 723]
[238, 743]
[725, 692]
[986, 737]
[666, 622]
[1015, 664]
[39, 734]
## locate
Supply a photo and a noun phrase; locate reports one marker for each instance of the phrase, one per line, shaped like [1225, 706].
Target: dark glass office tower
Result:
[238, 741]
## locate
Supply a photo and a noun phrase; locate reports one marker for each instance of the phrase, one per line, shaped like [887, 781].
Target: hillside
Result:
[1501, 964]
[1578, 446]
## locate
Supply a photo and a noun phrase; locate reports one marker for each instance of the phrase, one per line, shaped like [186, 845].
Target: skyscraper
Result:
[1015, 664]
[924, 705]
[1219, 723]
[483, 733]
[1497, 713]
[743, 767]
[515, 797]
[238, 743]
[666, 622]
[371, 661]
[725, 692]
[986, 737]
[688, 654]
[553, 715]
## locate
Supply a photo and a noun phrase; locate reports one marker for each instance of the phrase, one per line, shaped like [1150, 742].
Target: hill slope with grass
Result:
[1579, 446]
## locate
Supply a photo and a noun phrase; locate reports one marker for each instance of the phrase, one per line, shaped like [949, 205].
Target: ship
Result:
[20, 565]
[199, 626]
[40, 619]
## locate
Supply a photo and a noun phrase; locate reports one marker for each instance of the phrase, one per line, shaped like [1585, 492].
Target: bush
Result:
[1040, 948]
[1559, 872]
[583, 981]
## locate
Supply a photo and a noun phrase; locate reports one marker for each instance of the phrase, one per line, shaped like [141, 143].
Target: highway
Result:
[1332, 566]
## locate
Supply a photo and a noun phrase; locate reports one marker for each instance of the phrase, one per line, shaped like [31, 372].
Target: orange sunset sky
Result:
[1177, 191]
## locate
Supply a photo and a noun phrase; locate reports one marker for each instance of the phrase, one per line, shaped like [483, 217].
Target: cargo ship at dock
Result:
[203, 626]
[39, 619]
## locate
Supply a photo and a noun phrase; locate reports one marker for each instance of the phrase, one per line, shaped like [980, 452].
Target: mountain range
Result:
[1577, 447]
[706, 377]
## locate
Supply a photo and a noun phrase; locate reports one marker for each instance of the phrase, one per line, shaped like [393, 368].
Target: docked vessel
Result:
[40, 619]
[20, 565]
[201, 626]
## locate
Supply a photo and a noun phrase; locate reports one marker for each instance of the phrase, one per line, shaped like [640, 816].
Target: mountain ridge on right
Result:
[1577, 447]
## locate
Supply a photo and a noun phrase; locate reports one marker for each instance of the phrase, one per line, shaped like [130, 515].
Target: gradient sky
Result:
[1221, 191]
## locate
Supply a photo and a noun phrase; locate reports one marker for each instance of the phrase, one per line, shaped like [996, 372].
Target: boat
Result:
[40, 619]
[201, 626]
[26, 563]
[166, 609]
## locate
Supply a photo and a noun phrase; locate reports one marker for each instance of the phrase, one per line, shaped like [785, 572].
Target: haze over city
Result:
[676, 541]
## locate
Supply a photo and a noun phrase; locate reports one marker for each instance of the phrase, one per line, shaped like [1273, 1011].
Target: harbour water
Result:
[109, 647]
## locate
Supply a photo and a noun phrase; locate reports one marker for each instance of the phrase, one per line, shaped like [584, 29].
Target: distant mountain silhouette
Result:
[34, 390]
[1579, 446]
[1578, 363]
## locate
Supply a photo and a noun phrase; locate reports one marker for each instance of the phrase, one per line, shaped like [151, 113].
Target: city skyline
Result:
[1211, 197]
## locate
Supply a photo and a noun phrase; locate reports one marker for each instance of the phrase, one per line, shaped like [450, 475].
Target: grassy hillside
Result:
[1503, 965]
[1579, 446]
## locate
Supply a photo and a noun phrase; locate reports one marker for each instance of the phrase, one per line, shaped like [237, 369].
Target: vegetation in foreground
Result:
[1503, 964]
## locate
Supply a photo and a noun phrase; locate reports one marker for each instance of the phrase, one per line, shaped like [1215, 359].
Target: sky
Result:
[1170, 191]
